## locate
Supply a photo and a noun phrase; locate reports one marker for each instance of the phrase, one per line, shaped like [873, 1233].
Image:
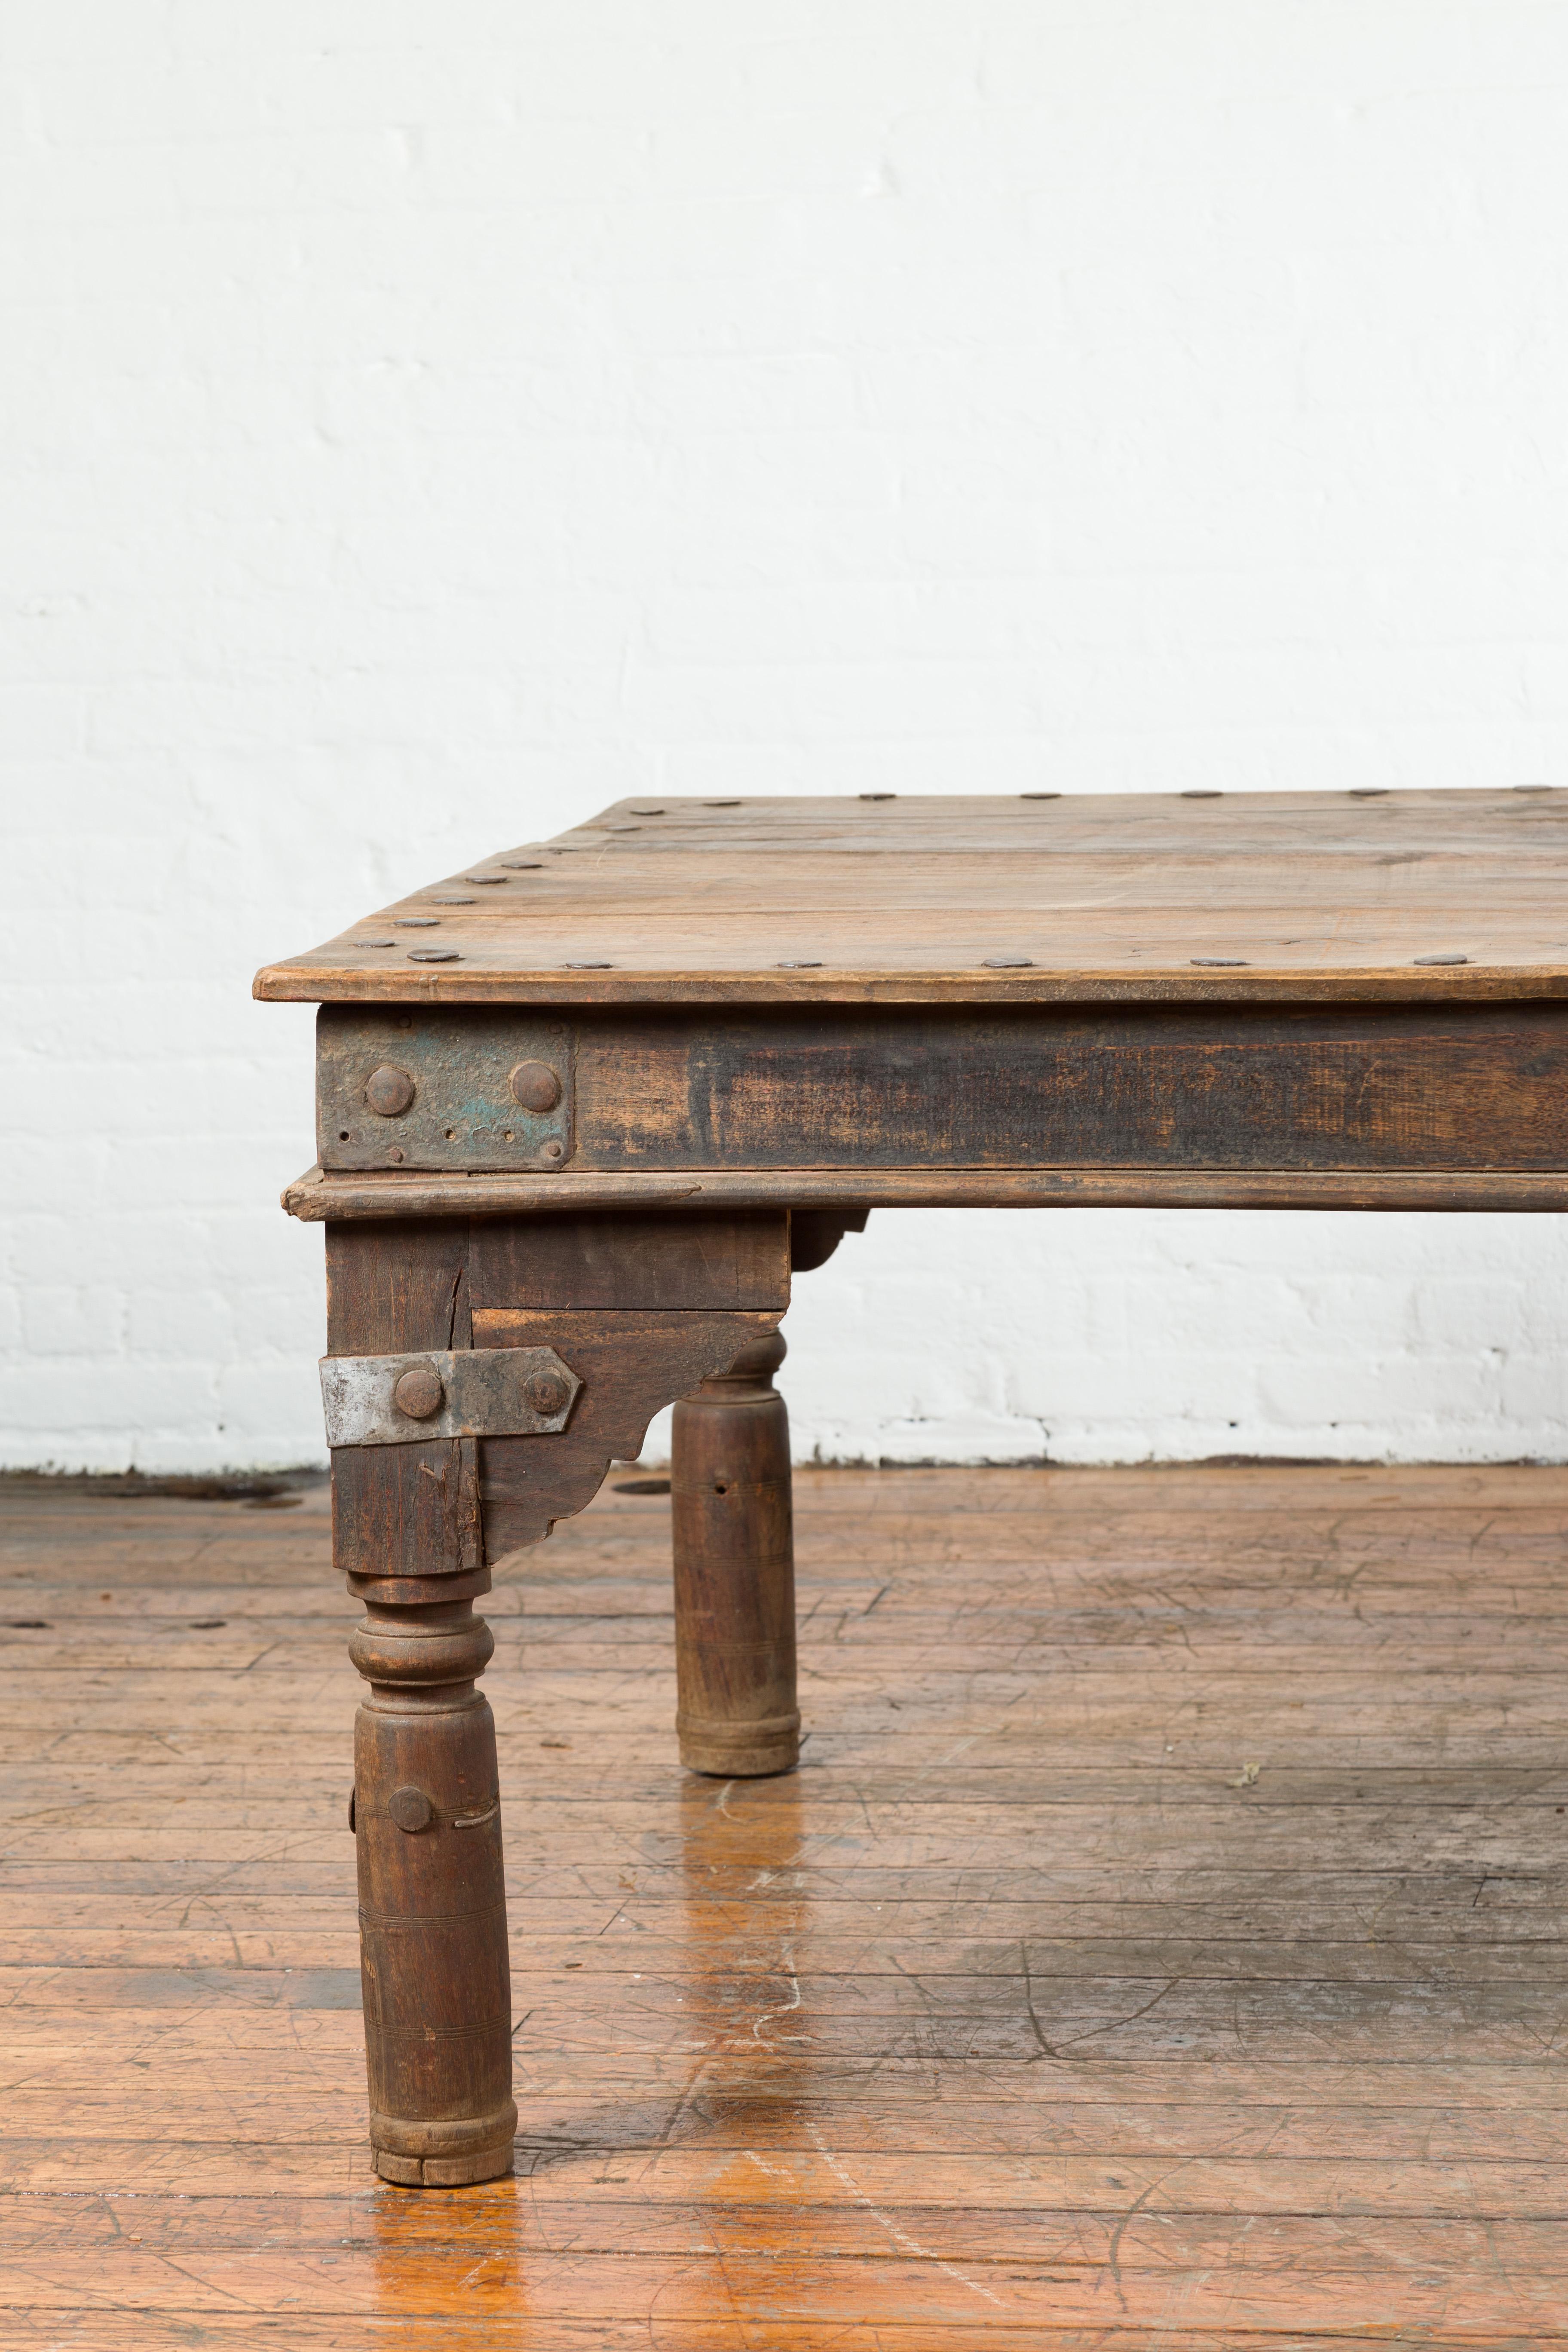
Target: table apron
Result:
[899, 1093]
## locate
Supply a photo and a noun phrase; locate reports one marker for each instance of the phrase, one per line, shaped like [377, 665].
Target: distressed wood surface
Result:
[1160, 1943]
[1137, 897]
[1385, 1089]
[402, 1510]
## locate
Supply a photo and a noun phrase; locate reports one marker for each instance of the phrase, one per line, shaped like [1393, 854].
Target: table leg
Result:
[734, 1573]
[433, 1942]
[408, 1534]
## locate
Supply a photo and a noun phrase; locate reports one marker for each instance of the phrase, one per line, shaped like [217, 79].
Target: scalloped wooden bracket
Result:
[631, 1365]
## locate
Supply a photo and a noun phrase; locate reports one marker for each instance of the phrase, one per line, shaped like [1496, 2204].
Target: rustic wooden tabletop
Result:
[1027, 898]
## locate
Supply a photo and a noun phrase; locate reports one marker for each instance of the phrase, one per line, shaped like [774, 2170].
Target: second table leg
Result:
[734, 1573]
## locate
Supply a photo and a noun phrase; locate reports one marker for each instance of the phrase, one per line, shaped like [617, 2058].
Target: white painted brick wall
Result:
[422, 424]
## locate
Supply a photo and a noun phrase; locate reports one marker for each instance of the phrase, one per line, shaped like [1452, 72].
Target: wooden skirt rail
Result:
[1160, 1943]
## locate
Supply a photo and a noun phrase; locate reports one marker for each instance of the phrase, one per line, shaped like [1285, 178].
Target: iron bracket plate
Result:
[484, 1393]
[460, 1111]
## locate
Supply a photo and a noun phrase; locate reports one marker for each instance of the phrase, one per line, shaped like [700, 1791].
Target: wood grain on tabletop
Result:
[1161, 1941]
[1304, 895]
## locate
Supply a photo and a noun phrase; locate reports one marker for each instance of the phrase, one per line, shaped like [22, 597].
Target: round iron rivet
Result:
[418, 1392]
[877, 796]
[1220, 963]
[1369, 791]
[553, 1148]
[1201, 792]
[434, 955]
[416, 922]
[450, 902]
[533, 1086]
[647, 811]
[1530, 788]
[522, 865]
[800, 963]
[389, 1091]
[721, 804]
[1040, 796]
[1008, 963]
[484, 877]
[372, 943]
[410, 1808]
[1439, 959]
[569, 966]
[623, 828]
[547, 1393]
[395, 1154]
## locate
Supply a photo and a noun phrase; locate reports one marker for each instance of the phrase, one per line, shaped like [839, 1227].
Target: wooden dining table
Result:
[586, 1108]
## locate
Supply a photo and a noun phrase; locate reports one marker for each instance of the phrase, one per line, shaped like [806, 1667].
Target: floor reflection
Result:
[664, 2071]
[747, 1918]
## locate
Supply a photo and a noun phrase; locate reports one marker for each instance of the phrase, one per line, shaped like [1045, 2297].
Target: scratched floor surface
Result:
[1160, 1946]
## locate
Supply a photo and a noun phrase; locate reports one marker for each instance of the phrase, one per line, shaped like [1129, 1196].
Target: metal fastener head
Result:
[1219, 963]
[389, 1091]
[534, 1085]
[522, 865]
[434, 955]
[552, 1149]
[1445, 959]
[637, 811]
[484, 877]
[1201, 792]
[721, 804]
[410, 1808]
[418, 1392]
[416, 922]
[801, 964]
[547, 1393]
[1008, 963]
[580, 965]
[372, 943]
[435, 901]
[1369, 791]
[1040, 796]
[878, 796]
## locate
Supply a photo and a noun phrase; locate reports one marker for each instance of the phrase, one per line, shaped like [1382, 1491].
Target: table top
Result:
[1032, 898]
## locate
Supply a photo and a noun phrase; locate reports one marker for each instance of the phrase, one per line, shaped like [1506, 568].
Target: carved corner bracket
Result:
[631, 1364]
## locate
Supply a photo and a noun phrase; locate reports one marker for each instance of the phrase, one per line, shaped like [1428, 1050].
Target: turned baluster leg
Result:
[734, 1573]
[407, 1533]
[437, 2000]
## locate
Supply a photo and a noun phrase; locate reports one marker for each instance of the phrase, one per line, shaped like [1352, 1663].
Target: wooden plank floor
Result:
[1160, 1947]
